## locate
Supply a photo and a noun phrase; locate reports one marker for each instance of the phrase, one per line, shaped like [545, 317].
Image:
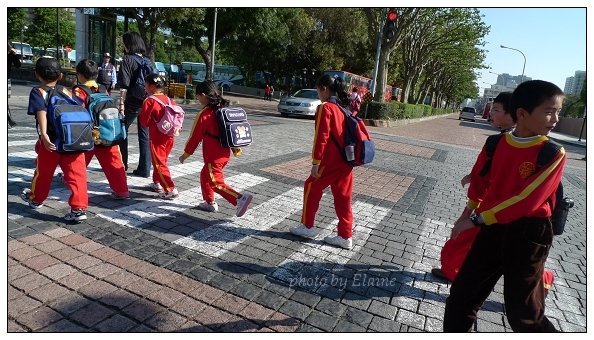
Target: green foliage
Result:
[42, 31]
[190, 93]
[397, 110]
[17, 18]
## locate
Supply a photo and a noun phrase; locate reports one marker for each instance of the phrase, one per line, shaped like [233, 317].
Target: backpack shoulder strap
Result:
[547, 153]
[158, 100]
[490, 146]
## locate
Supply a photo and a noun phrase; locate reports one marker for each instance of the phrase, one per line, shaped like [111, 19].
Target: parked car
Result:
[303, 102]
[467, 112]
[160, 67]
[26, 49]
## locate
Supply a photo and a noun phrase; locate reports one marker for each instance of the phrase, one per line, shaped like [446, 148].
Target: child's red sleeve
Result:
[478, 184]
[322, 133]
[197, 133]
[146, 112]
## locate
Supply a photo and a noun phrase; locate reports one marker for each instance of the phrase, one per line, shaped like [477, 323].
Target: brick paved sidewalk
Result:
[61, 281]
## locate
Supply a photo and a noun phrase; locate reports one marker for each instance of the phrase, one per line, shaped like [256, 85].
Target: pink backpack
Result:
[173, 118]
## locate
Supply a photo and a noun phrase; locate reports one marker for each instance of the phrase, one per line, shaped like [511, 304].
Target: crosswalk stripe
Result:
[22, 142]
[24, 134]
[149, 210]
[18, 128]
[367, 217]
[222, 237]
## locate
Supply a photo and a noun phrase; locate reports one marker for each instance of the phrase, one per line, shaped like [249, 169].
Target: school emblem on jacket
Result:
[242, 131]
[527, 169]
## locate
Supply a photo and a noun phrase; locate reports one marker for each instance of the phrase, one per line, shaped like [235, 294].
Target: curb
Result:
[565, 141]
[400, 122]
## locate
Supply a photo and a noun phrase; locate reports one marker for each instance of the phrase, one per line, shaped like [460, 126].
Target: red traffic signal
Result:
[392, 15]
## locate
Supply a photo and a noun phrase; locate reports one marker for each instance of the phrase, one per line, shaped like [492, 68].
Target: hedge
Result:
[397, 110]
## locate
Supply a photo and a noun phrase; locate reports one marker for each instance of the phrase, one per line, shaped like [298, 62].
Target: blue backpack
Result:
[358, 148]
[109, 124]
[70, 122]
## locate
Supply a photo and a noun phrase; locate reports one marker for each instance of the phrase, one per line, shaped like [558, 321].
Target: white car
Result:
[467, 112]
[303, 102]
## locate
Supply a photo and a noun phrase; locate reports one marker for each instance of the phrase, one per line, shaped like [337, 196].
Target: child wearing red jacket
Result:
[160, 144]
[513, 203]
[216, 157]
[329, 168]
[109, 157]
[49, 72]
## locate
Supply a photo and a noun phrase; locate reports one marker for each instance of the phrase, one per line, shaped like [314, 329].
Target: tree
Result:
[43, 28]
[377, 23]
[455, 30]
[17, 18]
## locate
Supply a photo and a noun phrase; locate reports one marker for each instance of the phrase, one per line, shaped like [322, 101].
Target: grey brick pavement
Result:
[264, 278]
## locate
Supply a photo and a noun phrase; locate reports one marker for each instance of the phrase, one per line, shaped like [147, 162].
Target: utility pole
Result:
[378, 51]
[214, 36]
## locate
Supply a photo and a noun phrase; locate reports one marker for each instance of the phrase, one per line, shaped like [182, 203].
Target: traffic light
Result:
[391, 25]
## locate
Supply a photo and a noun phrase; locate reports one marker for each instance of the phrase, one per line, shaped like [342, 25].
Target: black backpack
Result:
[234, 129]
[144, 69]
[546, 154]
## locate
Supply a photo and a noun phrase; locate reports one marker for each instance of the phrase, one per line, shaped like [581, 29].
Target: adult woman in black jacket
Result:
[132, 94]
[13, 60]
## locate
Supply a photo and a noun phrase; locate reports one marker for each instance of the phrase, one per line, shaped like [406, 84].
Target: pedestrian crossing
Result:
[216, 239]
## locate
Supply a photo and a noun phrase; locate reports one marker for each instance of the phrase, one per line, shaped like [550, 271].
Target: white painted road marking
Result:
[220, 238]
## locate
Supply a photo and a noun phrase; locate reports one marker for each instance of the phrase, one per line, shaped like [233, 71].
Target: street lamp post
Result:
[523, 67]
[22, 37]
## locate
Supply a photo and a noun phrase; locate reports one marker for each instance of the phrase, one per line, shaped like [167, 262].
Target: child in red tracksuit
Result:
[328, 166]
[109, 157]
[455, 249]
[513, 204]
[160, 144]
[206, 129]
[49, 72]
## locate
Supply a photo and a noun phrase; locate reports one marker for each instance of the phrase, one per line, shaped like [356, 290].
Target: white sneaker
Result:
[243, 203]
[169, 195]
[210, 207]
[156, 187]
[346, 243]
[304, 231]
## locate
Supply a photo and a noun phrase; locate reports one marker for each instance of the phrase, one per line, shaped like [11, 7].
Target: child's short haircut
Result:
[48, 68]
[531, 94]
[504, 98]
[155, 79]
[88, 69]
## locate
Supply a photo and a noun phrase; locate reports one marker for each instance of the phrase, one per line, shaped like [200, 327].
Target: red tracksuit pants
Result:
[212, 180]
[75, 176]
[160, 151]
[110, 159]
[339, 177]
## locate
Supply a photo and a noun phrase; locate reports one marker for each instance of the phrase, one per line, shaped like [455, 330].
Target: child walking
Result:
[49, 72]
[109, 157]
[216, 157]
[513, 203]
[160, 144]
[328, 166]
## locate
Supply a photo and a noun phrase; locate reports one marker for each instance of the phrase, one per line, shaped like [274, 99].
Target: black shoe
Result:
[437, 272]
[139, 174]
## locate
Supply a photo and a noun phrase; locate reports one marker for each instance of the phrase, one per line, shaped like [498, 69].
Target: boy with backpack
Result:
[49, 103]
[455, 249]
[513, 202]
[164, 123]
[216, 156]
[109, 129]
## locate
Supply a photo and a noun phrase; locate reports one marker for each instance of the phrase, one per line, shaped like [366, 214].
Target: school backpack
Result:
[70, 123]
[144, 69]
[173, 118]
[109, 124]
[234, 129]
[546, 154]
[358, 147]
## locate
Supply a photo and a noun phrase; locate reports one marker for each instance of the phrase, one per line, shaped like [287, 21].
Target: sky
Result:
[552, 39]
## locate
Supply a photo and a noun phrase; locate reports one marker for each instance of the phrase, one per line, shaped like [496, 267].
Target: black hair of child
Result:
[531, 94]
[155, 79]
[336, 85]
[48, 68]
[209, 89]
[88, 69]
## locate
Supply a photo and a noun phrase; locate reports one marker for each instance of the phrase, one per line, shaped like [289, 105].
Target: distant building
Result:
[574, 85]
[510, 81]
